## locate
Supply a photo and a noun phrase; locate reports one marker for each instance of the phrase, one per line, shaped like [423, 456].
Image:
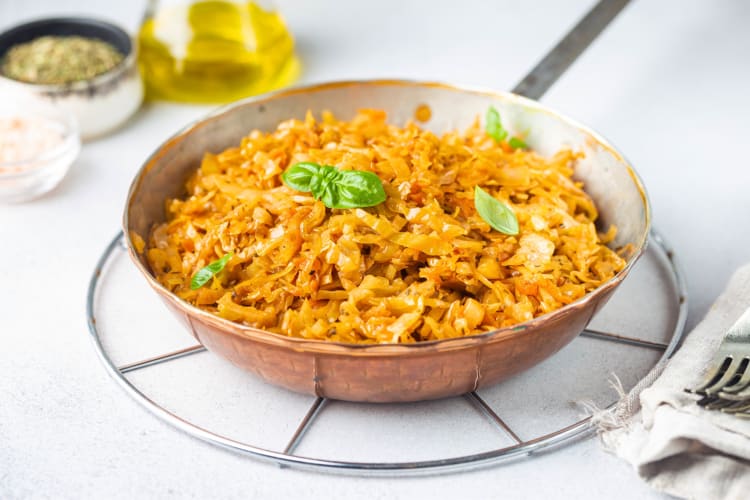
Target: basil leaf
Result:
[206, 273]
[328, 176]
[300, 176]
[336, 188]
[329, 196]
[315, 184]
[495, 213]
[359, 189]
[517, 143]
[493, 126]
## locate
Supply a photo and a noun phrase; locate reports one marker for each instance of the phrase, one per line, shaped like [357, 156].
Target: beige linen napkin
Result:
[674, 445]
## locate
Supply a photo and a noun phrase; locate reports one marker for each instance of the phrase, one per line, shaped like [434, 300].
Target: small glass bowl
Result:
[37, 174]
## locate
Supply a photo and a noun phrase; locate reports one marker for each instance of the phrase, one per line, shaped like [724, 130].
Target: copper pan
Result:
[389, 373]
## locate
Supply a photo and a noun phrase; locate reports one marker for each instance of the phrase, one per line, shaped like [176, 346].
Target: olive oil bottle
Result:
[214, 51]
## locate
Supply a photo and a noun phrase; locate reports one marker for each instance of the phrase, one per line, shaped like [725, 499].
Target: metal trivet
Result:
[208, 398]
[652, 301]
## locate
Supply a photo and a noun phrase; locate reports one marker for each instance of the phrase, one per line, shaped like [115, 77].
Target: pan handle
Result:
[567, 50]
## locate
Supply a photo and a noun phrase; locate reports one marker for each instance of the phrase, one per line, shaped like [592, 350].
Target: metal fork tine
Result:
[744, 381]
[730, 366]
[727, 386]
[717, 404]
[737, 407]
[712, 377]
[729, 375]
[743, 395]
[705, 400]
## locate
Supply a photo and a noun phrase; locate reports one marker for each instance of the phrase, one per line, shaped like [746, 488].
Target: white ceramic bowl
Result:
[99, 104]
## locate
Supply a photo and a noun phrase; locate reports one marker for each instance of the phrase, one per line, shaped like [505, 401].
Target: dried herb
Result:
[59, 59]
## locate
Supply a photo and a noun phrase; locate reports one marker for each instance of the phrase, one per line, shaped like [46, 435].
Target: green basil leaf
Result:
[517, 143]
[315, 185]
[495, 213]
[300, 176]
[329, 176]
[358, 189]
[336, 188]
[329, 196]
[206, 273]
[493, 126]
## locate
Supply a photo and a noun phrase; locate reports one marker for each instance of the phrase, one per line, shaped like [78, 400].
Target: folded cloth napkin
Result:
[676, 446]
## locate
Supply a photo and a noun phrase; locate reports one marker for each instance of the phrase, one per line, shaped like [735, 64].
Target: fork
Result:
[727, 384]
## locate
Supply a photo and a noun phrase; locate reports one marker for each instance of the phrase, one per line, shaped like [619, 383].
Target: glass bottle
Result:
[214, 51]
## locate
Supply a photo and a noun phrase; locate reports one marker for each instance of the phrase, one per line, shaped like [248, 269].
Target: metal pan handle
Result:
[567, 50]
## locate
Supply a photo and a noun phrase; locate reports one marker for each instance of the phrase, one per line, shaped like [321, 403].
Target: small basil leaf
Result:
[300, 175]
[517, 143]
[359, 189]
[330, 176]
[493, 126]
[315, 185]
[495, 213]
[206, 273]
[321, 179]
[329, 196]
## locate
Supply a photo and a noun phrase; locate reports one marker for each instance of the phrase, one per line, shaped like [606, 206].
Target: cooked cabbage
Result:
[423, 265]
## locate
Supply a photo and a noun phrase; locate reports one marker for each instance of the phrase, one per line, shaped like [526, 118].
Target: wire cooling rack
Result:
[158, 364]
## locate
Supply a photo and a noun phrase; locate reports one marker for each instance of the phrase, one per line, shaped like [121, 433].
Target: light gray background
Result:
[667, 83]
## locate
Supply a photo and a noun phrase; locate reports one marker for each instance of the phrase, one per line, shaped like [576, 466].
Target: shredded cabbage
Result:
[423, 265]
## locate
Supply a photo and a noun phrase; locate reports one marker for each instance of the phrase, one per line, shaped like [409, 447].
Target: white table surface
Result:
[668, 83]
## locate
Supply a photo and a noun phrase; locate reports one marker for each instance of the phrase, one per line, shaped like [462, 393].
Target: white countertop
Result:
[667, 83]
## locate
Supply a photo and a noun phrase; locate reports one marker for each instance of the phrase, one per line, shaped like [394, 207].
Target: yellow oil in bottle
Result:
[215, 51]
